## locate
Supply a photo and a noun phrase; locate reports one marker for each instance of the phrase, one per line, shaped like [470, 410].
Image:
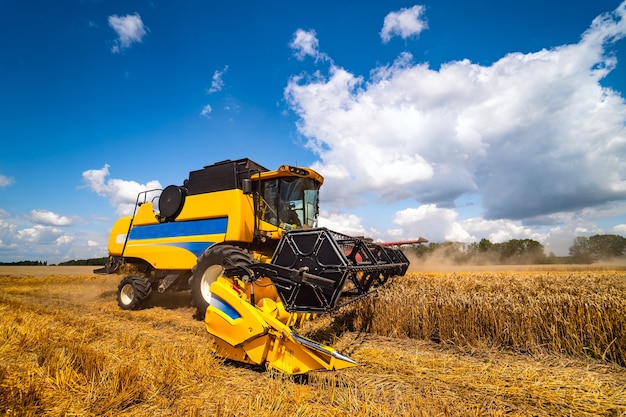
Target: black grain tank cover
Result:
[225, 175]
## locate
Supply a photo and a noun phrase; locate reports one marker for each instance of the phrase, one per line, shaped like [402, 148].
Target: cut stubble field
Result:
[524, 341]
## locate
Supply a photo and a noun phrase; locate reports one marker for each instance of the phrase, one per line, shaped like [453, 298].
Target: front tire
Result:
[132, 292]
[210, 265]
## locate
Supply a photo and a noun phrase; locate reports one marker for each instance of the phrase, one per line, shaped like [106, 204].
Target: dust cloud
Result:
[440, 261]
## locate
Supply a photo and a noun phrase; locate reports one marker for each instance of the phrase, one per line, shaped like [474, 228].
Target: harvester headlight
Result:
[299, 171]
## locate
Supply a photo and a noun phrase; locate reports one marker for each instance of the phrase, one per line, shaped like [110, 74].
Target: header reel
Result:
[319, 271]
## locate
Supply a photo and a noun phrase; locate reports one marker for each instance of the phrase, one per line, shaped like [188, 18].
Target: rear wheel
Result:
[132, 292]
[210, 266]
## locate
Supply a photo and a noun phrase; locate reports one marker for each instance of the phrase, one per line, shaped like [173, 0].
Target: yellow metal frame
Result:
[256, 335]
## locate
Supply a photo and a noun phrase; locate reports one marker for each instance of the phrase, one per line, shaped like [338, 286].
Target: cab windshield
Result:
[289, 203]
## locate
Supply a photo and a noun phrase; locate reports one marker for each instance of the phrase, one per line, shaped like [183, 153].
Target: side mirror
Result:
[246, 186]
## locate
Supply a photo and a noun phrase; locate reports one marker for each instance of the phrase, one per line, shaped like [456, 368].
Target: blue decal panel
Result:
[224, 307]
[197, 248]
[178, 229]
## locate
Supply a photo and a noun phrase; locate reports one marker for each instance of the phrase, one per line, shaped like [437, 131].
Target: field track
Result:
[66, 349]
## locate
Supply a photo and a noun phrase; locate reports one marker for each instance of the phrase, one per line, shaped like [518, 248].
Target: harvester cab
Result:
[284, 200]
[244, 240]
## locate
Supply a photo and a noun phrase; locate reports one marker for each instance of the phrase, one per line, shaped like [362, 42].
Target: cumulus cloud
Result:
[531, 135]
[7, 246]
[122, 194]
[40, 234]
[305, 43]
[500, 230]
[49, 218]
[620, 229]
[7, 233]
[5, 181]
[129, 29]
[63, 240]
[433, 222]
[405, 23]
[217, 83]
[52, 238]
[348, 224]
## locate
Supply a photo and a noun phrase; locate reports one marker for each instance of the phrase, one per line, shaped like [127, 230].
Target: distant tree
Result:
[419, 250]
[597, 247]
[580, 251]
[85, 262]
[484, 252]
[522, 251]
[485, 245]
[608, 246]
[23, 263]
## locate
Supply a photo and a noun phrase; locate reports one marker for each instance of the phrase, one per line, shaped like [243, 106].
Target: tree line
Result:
[24, 263]
[525, 251]
[85, 262]
[597, 248]
[80, 262]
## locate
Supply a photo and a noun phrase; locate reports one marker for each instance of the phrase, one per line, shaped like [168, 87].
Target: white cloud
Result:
[40, 234]
[6, 246]
[49, 218]
[439, 224]
[4, 225]
[404, 23]
[129, 29]
[206, 111]
[217, 83]
[47, 242]
[435, 223]
[498, 231]
[232, 106]
[63, 240]
[620, 229]
[7, 233]
[122, 194]
[530, 135]
[348, 224]
[5, 181]
[305, 43]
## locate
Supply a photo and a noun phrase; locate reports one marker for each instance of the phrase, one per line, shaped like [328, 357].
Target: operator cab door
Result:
[288, 203]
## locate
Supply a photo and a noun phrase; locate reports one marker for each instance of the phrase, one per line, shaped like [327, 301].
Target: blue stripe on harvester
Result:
[177, 229]
[224, 307]
[197, 248]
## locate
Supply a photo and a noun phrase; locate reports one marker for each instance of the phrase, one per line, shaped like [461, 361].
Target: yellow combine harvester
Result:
[245, 241]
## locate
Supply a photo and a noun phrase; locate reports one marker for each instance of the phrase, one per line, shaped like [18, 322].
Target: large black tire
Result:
[210, 266]
[132, 292]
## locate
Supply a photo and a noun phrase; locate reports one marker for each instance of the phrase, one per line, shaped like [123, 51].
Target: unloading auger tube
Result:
[313, 271]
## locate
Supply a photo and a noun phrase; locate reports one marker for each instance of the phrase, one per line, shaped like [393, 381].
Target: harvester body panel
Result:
[204, 220]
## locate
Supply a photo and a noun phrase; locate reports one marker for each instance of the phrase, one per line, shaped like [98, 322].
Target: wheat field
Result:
[519, 342]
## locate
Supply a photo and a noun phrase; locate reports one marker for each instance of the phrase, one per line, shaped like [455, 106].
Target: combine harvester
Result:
[245, 241]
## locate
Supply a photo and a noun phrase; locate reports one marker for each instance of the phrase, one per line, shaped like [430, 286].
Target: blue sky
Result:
[444, 119]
